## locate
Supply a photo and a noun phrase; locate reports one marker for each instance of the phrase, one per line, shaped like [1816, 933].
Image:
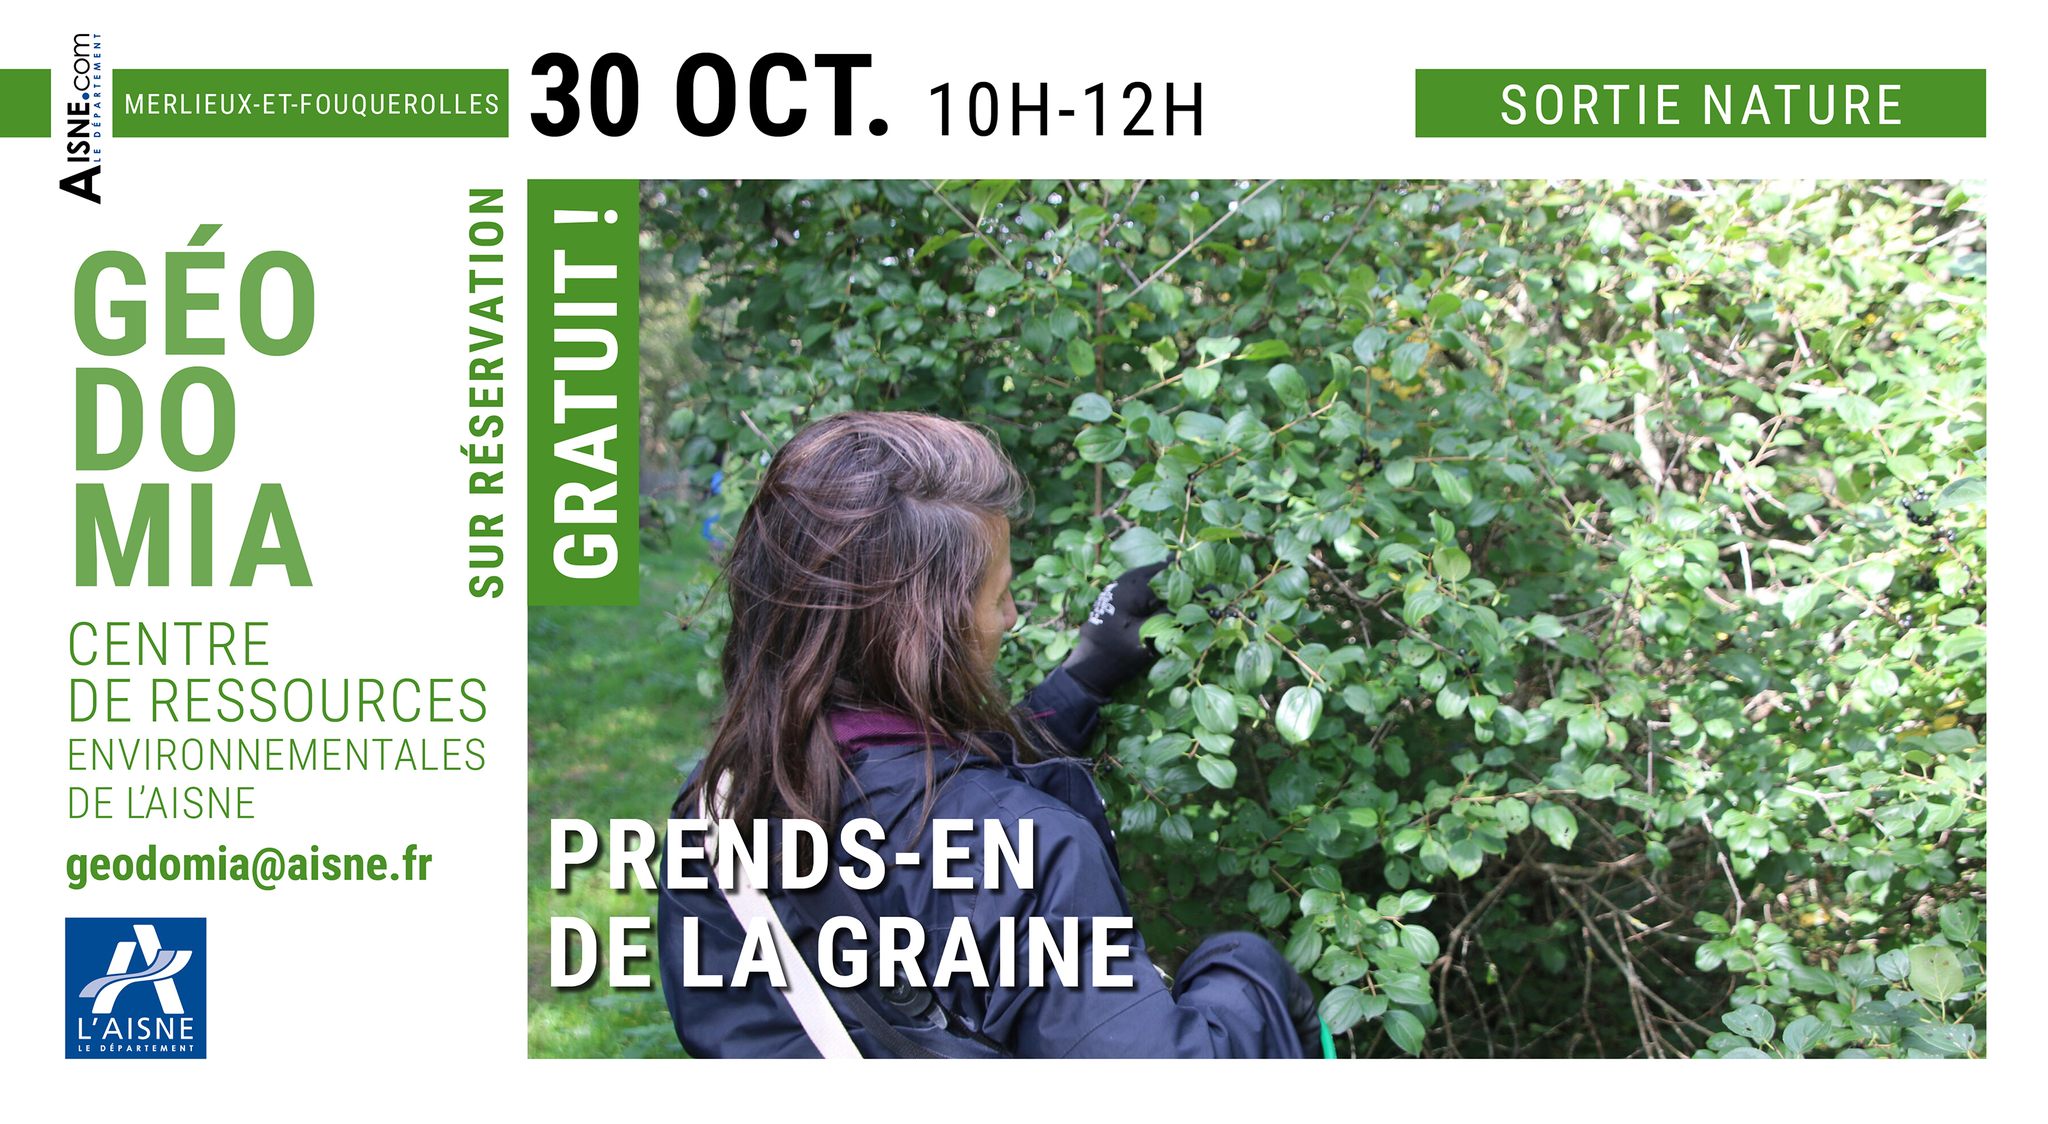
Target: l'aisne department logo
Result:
[135, 987]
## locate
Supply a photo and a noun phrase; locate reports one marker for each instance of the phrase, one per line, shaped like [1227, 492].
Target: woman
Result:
[869, 582]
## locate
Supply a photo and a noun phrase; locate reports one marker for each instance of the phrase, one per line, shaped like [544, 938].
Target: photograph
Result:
[1285, 618]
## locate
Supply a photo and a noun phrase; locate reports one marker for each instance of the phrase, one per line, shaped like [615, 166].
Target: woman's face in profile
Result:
[995, 613]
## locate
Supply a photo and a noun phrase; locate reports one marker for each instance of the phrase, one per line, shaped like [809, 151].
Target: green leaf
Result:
[1161, 356]
[1340, 967]
[1859, 968]
[1139, 546]
[1099, 443]
[1315, 903]
[1091, 407]
[1875, 576]
[1556, 821]
[1444, 304]
[1300, 708]
[1937, 972]
[1419, 941]
[1751, 1022]
[1958, 921]
[1081, 357]
[1407, 359]
[1288, 384]
[1452, 564]
[1800, 1035]
[1215, 708]
[1970, 491]
[1369, 344]
[1857, 412]
[1304, 947]
[1198, 428]
[1400, 473]
[1598, 782]
[1588, 729]
[1451, 482]
[1200, 382]
[987, 193]
[1218, 771]
[1415, 901]
[1512, 814]
[1945, 1040]
[1254, 665]
[1405, 1030]
[1801, 601]
[996, 278]
[1604, 229]
[1466, 857]
[1177, 829]
[1406, 988]
[1346, 1006]
[1453, 700]
[936, 243]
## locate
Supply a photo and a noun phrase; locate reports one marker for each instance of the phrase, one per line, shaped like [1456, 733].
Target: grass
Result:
[614, 723]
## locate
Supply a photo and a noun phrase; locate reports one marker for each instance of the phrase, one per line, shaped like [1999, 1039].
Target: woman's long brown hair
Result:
[853, 579]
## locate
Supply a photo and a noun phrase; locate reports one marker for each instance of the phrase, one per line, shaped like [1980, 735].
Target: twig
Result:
[1355, 228]
[1627, 966]
[971, 225]
[1478, 911]
[1742, 545]
[1200, 238]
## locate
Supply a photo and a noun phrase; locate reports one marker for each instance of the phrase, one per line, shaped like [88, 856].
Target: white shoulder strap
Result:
[805, 995]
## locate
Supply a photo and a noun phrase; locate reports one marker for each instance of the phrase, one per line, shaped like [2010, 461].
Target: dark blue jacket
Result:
[1230, 1000]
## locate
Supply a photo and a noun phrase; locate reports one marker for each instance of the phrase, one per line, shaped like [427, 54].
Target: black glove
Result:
[1308, 1019]
[1110, 652]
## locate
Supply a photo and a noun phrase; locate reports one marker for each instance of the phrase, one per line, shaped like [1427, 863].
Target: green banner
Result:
[24, 103]
[310, 103]
[1699, 103]
[583, 392]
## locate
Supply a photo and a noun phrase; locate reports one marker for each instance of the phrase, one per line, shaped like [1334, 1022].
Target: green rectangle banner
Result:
[310, 103]
[24, 103]
[1699, 103]
[583, 392]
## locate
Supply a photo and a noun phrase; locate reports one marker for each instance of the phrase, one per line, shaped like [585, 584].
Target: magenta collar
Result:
[856, 730]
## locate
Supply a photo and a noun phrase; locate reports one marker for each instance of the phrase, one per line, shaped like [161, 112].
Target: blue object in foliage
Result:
[706, 528]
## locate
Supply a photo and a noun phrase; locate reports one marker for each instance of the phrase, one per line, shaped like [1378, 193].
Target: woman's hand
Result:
[1109, 651]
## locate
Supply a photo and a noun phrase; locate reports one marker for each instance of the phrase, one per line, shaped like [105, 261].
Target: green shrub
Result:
[1577, 644]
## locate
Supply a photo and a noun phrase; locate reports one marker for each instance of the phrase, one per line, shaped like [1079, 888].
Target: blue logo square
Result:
[135, 987]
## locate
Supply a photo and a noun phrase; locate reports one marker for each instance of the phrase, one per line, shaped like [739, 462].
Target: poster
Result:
[565, 548]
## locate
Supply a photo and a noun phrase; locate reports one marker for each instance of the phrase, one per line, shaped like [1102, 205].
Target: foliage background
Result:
[1578, 641]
